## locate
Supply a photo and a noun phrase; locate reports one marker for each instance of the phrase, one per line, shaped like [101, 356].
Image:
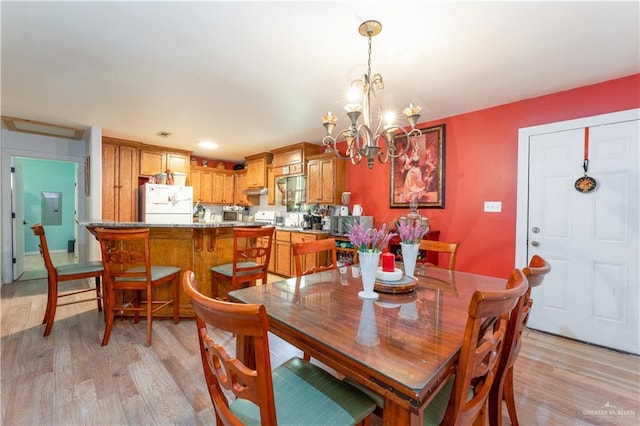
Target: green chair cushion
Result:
[227, 268]
[157, 272]
[79, 268]
[306, 394]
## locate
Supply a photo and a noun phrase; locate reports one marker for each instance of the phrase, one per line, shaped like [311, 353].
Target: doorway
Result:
[591, 239]
[43, 191]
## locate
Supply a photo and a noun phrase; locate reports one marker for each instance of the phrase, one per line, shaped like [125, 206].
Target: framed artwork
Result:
[419, 173]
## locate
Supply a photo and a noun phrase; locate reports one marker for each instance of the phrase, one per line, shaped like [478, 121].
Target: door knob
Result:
[535, 243]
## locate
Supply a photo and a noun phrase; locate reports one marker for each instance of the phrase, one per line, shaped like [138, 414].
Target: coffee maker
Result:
[343, 210]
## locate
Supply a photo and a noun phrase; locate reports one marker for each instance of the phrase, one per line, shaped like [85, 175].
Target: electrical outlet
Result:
[493, 206]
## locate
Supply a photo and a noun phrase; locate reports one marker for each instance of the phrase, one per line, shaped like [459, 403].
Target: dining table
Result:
[402, 346]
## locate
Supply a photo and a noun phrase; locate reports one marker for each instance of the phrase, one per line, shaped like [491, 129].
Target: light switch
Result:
[493, 206]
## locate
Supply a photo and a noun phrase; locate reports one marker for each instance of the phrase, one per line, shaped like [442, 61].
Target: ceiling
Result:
[252, 76]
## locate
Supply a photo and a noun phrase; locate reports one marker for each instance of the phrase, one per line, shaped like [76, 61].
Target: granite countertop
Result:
[169, 225]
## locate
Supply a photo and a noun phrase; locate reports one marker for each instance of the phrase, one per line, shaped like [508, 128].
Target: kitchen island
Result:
[193, 247]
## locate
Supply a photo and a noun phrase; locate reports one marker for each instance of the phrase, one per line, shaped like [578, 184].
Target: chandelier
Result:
[363, 139]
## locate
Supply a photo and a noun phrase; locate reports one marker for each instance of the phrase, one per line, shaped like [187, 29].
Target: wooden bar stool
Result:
[251, 254]
[68, 272]
[127, 265]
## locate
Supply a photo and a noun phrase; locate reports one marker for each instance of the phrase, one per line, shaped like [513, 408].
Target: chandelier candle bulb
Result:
[388, 262]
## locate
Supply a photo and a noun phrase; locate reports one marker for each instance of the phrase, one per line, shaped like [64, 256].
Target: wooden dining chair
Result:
[463, 400]
[127, 266]
[296, 392]
[305, 255]
[503, 385]
[449, 248]
[250, 263]
[67, 272]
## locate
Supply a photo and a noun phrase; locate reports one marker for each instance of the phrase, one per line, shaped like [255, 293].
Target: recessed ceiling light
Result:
[207, 145]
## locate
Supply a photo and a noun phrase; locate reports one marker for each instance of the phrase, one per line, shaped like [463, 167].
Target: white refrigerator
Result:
[166, 204]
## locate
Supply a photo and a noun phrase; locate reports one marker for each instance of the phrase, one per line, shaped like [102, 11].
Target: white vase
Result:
[368, 267]
[409, 257]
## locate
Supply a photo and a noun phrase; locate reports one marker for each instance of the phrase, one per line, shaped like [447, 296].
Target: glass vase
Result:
[409, 257]
[368, 267]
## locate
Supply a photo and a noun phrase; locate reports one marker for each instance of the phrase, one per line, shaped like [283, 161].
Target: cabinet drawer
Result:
[283, 236]
[301, 237]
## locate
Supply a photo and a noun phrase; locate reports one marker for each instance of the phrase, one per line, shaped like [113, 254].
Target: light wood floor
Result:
[69, 379]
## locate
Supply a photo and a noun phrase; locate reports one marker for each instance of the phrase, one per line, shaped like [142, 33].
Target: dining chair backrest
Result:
[536, 272]
[481, 349]
[252, 249]
[66, 272]
[223, 372]
[126, 256]
[517, 321]
[312, 248]
[442, 247]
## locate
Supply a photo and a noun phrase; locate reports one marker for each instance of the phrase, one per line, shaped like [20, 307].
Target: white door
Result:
[18, 223]
[590, 239]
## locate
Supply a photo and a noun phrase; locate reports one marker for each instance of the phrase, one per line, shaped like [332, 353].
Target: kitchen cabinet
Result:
[119, 180]
[271, 186]
[202, 182]
[257, 169]
[223, 187]
[291, 160]
[153, 160]
[326, 179]
[283, 253]
[240, 185]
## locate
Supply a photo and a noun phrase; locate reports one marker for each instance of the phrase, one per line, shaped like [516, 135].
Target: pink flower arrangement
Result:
[371, 239]
[411, 233]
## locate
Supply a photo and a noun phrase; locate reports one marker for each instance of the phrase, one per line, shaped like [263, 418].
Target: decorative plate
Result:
[405, 284]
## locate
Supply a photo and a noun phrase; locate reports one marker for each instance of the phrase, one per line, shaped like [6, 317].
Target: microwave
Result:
[340, 225]
[231, 216]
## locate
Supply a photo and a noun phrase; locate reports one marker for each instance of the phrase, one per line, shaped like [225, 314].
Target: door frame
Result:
[522, 197]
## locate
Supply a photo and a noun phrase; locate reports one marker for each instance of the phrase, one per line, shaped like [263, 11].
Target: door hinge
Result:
[13, 169]
[13, 260]
[13, 215]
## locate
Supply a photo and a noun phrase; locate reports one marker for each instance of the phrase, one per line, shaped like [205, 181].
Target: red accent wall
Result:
[481, 165]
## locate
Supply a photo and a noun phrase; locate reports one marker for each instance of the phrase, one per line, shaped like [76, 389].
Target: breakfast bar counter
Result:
[195, 246]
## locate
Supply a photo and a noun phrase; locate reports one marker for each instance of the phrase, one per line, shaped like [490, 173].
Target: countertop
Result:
[170, 225]
[229, 224]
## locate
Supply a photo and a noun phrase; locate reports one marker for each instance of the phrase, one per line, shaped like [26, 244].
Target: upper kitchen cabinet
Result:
[223, 186]
[201, 179]
[257, 170]
[154, 160]
[119, 180]
[241, 184]
[291, 160]
[326, 179]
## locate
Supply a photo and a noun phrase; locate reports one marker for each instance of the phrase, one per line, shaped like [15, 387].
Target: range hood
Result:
[255, 191]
